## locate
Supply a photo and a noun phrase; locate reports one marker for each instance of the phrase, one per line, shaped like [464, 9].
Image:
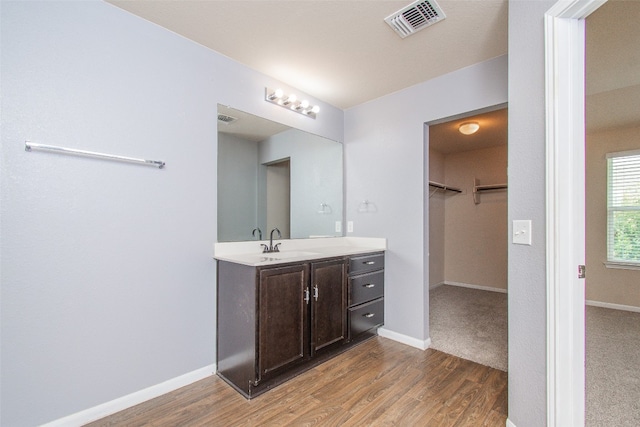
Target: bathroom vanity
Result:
[280, 314]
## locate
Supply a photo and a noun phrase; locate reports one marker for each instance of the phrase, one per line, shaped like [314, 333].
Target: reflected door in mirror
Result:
[278, 197]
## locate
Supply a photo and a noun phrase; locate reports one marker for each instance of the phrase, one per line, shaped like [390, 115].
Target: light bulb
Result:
[302, 106]
[277, 94]
[469, 128]
[315, 109]
[290, 99]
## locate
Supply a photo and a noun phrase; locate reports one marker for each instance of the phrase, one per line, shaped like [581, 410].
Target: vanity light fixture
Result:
[291, 99]
[469, 128]
[277, 94]
[303, 105]
[291, 102]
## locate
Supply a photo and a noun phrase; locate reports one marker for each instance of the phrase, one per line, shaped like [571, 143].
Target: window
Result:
[623, 209]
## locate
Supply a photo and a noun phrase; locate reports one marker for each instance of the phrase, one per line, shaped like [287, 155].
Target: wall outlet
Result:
[349, 226]
[338, 226]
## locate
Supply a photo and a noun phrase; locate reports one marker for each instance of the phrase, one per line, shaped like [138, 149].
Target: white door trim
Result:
[565, 136]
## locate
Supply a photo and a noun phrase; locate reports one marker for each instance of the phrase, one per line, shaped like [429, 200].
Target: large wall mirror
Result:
[274, 176]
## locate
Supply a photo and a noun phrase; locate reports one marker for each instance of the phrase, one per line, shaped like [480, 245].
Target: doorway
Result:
[612, 131]
[467, 241]
[565, 227]
[278, 196]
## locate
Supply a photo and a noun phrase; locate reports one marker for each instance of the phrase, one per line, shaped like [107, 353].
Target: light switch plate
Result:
[338, 226]
[350, 226]
[522, 232]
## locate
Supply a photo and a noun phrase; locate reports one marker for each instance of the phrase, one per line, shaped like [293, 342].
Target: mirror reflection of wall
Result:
[278, 197]
[308, 169]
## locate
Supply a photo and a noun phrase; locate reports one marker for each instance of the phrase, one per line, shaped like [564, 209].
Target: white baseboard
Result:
[510, 424]
[437, 285]
[124, 402]
[405, 339]
[482, 288]
[613, 306]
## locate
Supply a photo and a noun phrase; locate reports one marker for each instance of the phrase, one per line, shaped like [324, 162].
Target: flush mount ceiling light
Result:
[468, 128]
[291, 102]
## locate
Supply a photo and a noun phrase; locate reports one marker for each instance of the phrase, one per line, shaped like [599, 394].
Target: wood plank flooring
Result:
[377, 383]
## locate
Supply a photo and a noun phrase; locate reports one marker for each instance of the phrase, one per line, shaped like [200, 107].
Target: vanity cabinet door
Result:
[329, 303]
[283, 328]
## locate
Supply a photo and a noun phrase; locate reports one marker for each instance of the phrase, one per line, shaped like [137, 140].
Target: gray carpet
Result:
[469, 323]
[613, 367]
[472, 324]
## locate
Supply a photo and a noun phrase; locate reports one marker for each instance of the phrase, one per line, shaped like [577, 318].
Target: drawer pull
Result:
[369, 285]
[368, 262]
[368, 315]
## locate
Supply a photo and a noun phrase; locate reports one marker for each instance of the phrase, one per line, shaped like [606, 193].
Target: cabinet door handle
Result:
[369, 285]
[368, 262]
[306, 295]
[315, 292]
[368, 315]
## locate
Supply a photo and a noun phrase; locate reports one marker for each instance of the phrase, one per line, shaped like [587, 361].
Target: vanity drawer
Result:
[366, 316]
[366, 263]
[366, 287]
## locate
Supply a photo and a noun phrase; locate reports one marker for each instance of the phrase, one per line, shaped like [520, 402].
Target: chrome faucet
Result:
[259, 233]
[271, 247]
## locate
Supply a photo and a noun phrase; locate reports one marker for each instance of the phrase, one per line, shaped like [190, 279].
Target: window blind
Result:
[623, 207]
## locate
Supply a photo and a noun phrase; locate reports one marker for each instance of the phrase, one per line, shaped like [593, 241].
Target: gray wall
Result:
[108, 285]
[527, 264]
[437, 200]
[316, 177]
[107, 282]
[385, 164]
[237, 188]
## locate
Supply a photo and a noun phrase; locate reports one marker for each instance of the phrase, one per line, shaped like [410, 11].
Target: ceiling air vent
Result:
[415, 17]
[226, 119]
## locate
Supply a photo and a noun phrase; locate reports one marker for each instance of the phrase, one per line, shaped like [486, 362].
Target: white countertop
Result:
[250, 253]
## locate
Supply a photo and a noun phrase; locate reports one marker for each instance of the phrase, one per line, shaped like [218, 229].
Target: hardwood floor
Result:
[377, 383]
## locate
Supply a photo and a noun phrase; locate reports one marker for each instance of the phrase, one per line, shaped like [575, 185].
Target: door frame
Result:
[565, 212]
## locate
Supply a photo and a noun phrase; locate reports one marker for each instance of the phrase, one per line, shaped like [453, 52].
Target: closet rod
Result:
[444, 187]
[491, 187]
[28, 146]
[488, 187]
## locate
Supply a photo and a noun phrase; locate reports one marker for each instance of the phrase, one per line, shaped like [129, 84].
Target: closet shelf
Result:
[477, 188]
[444, 187]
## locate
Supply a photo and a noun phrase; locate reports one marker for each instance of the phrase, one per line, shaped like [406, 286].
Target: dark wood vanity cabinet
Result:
[328, 304]
[366, 294]
[282, 327]
[277, 321]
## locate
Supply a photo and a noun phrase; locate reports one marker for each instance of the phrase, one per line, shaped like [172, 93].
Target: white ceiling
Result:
[339, 51]
[445, 137]
[342, 51]
[247, 126]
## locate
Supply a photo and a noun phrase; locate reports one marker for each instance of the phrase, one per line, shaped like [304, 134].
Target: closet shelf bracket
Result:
[477, 189]
[443, 187]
